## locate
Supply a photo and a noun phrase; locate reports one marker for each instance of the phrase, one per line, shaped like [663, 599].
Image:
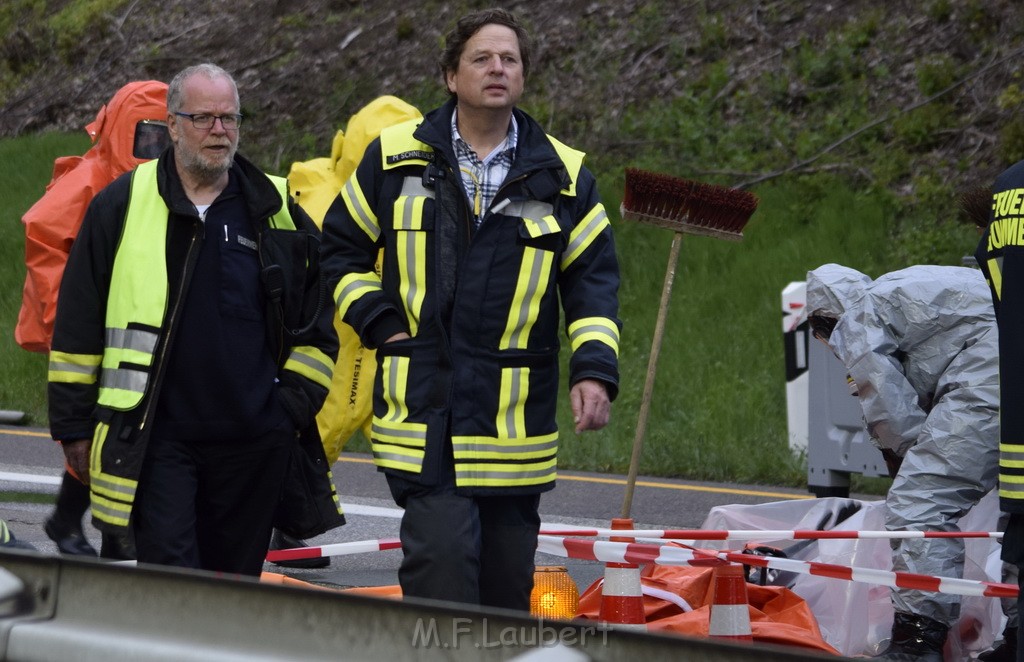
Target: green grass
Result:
[26, 163]
[718, 409]
[27, 497]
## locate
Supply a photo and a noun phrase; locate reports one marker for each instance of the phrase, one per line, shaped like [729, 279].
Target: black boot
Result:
[118, 546]
[64, 527]
[915, 639]
[70, 538]
[1006, 651]
[281, 540]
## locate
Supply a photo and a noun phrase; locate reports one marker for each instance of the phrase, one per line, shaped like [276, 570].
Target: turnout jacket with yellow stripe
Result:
[479, 377]
[1000, 255]
[119, 316]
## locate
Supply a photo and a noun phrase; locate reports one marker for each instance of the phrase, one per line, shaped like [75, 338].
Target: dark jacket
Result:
[1000, 255]
[478, 379]
[298, 322]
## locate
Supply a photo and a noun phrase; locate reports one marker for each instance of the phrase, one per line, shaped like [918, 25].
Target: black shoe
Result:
[915, 639]
[282, 540]
[69, 539]
[117, 546]
[1006, 651]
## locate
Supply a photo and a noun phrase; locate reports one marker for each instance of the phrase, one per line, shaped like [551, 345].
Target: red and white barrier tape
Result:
[618, 552]
[709, 534]
[337, 549]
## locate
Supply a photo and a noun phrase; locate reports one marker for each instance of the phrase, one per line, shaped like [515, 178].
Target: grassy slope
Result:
[26, 164]
[718, 407]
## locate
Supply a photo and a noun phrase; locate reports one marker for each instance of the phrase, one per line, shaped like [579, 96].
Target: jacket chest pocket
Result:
[413, 224]
[240, 295]
[542, 241]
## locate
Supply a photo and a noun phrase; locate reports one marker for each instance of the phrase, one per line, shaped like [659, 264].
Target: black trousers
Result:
[477, 550]
[210, 504]
[1013, 552]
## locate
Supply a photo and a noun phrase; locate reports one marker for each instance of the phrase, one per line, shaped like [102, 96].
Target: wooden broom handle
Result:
[652, 366]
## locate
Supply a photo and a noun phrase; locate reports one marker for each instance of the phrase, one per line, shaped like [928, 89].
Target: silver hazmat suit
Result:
[921, 345]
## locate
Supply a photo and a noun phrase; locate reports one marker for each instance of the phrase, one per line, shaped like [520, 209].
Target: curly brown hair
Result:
[467, 26]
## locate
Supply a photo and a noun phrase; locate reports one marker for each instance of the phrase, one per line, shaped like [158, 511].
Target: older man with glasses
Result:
[193, 347]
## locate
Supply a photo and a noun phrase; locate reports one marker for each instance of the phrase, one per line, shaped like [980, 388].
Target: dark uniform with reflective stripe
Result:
[464, 410]
[1000, 255]
[167, 346]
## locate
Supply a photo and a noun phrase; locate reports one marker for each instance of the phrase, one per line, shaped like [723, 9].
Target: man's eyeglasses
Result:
[204, 121]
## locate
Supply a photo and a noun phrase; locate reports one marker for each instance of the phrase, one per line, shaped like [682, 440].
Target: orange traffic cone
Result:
[730, 616]
[622, 598]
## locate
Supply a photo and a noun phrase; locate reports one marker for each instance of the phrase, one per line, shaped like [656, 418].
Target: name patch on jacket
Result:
[247, 242]
[409, 155]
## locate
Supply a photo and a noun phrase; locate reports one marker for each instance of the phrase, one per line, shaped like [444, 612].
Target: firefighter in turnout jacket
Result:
[485, 224]
[1000, 255]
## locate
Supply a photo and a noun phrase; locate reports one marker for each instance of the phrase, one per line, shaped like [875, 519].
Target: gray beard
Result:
[204, 171]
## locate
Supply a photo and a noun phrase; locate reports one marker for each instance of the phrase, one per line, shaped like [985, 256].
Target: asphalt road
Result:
[32, 463]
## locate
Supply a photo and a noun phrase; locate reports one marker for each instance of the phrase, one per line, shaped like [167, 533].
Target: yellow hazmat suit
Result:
[315, 184]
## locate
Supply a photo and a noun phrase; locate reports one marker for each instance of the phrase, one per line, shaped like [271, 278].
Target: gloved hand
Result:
[77, 455]
[892, 461]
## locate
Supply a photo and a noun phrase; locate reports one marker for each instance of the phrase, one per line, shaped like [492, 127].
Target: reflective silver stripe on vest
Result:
[136, 340]
[124, 379]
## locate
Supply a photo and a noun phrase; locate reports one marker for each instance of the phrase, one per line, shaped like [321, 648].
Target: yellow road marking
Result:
[644, 483]
[561, 476]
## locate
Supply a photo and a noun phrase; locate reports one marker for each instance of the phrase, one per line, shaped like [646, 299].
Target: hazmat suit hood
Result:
[316, 183]
[920, 347]
[52, 223]
[832, 289]
[113, 130]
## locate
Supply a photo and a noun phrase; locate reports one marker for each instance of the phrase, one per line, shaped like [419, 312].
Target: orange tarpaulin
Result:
[387, 591]
[777, 615]
[52, 223]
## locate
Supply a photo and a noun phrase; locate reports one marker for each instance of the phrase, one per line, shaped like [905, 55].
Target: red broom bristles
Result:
[686, 206]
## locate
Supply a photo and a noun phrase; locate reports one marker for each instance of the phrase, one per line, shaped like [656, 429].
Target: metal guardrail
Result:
[63, 608]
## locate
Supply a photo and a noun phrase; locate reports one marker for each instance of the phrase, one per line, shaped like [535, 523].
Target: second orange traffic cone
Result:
[730, 615]
[622, 598]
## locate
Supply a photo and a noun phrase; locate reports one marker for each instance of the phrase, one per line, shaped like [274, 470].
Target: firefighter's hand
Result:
[893, 461]
[77, 454]
[398, 336]
[590, 405]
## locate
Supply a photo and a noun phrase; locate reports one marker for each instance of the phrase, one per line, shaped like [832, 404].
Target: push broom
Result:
[685, 207]
[975, 206]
